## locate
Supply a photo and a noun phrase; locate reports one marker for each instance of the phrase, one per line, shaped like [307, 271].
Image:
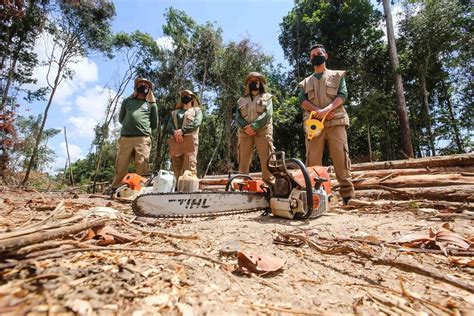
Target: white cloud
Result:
[165, 42]
[88, 109]
[85, 71]
[75, 152]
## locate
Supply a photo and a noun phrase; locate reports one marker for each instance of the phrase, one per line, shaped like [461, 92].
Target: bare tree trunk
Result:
[369, 143]
[68, 158]
[228, 134]
[453, 120]
[424, 92]
[407, 146]
[43, 123]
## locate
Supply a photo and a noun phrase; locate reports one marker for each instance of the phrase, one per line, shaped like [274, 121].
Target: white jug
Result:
[188, 182]
[164, 182]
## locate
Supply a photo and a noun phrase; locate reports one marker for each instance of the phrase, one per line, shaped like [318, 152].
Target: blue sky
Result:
[80, 103]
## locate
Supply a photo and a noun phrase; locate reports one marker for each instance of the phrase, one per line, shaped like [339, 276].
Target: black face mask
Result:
[186, 99]
[142, 89]
[318, 60]
[253, 86]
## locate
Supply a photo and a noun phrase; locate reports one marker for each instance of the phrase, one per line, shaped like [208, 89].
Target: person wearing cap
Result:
[324, 92]
[184, 121]
[138, 116]
[255, 124]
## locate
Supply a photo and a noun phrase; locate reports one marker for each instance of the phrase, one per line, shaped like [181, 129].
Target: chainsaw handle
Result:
[228, 186]
[308, 187]
[276, 163]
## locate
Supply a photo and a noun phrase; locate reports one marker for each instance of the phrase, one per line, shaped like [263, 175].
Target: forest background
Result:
[434, 40]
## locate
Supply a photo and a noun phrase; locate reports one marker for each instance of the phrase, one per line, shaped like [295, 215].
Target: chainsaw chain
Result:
[137, 211]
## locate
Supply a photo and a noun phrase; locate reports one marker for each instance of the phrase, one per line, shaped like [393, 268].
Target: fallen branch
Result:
[444, 309]
[42, 235]
[61, 253]
[58, 209]
[345, 248]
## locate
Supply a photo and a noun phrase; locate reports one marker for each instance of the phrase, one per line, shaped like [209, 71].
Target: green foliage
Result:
[27, 128]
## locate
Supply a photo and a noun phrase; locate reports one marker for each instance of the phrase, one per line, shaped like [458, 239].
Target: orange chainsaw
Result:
[297, 192]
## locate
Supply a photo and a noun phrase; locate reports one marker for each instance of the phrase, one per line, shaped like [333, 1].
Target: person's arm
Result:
[240, 120]
[154, 119]
[263, 118]
[192, 126]
[170, 125]
[123, 111]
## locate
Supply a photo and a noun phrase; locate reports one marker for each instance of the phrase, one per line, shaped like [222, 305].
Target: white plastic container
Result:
[188, 182]
[323, 203]
[164, 182]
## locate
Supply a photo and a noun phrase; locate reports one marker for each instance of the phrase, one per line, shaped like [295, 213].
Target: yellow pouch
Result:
[314, 127]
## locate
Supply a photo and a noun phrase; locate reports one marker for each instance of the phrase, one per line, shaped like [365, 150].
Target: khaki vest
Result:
[251, 109]
[189, 116]
[322, 92]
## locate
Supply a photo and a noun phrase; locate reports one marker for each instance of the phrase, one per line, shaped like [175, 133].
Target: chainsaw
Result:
[297, 192]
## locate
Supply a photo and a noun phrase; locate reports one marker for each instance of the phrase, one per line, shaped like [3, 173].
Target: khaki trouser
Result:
[263, 141]
[336, 137]
[186, 161]
[138, 147]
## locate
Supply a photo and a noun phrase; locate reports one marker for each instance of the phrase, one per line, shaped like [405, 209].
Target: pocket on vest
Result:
[244, 111]
[332, 91]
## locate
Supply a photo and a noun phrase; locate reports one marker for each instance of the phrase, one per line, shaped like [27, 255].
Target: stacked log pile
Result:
[443, 178]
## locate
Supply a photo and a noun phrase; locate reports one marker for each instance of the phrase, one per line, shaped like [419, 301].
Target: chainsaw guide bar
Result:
[199, 204]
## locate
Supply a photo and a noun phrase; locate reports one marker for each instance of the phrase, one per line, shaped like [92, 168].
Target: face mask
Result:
[186, 99]
[142, 89]
[253, 86]
[318, 60]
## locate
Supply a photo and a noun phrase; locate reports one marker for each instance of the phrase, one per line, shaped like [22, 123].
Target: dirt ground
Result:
[135, 282]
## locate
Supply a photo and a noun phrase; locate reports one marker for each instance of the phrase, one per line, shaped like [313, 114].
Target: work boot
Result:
[345, 200]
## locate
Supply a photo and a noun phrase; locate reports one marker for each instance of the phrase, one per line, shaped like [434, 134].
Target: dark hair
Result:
[317, 46]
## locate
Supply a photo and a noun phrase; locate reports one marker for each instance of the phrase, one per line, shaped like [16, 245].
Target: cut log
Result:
[455, 193]
[466, 171]
[431, 162]
[417, 181]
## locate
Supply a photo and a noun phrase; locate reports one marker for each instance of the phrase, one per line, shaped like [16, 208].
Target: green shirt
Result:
[137, 117]
[260, 121]
[341, 92]
[189, 128]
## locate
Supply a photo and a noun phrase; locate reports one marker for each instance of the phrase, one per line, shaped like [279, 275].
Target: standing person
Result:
[138, 116]
[254, 119]
[184, 122]
[325, 92]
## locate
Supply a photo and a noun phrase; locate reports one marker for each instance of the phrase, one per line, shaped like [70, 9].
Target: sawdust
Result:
[136, 283]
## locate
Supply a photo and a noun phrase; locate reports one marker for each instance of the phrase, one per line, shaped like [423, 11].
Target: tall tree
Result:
[77, 28]
[407, 145]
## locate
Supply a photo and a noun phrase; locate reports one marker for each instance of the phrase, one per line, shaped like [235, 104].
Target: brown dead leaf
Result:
[435, 239]
[250, 262]
[107, 236]
[462, 261]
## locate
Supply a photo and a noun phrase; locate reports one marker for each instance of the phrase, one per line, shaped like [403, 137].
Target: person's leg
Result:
[264, 145]
[245, 151]
[315, 150]
[142, 154]
[339, 152]
[190, 161]
[177, 165]
[124, 152]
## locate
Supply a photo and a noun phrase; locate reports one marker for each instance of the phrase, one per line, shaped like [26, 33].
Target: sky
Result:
[80, 103]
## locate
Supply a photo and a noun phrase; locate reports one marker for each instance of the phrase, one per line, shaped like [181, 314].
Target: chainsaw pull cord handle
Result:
[308, 187]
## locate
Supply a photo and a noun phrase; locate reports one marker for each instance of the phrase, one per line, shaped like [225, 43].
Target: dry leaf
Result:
[462, 261]
[107, 236]
[258, 264]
